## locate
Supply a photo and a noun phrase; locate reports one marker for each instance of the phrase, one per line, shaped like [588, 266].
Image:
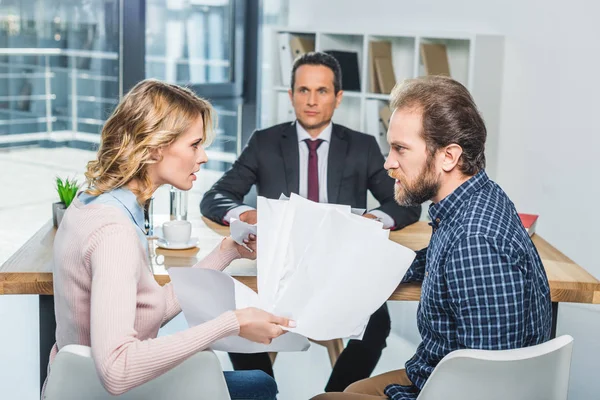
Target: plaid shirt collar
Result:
[445, 208]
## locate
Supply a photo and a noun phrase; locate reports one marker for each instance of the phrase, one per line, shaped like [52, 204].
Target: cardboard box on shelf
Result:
[385, 74]
[301, 45]
[381, 68]
[385, 113]
[435, 59]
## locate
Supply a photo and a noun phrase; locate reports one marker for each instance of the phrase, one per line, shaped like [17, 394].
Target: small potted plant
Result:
[67, 190]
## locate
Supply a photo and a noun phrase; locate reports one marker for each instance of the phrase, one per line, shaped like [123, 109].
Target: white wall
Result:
[549, 135]
[19, 347]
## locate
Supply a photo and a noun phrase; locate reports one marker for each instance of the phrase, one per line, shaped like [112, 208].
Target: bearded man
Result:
[483, 283]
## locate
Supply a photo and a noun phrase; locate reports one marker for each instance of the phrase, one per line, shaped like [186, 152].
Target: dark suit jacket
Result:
[271, 161]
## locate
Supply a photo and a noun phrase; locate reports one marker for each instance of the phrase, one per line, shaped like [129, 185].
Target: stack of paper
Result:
[318, 264]
[324, 267]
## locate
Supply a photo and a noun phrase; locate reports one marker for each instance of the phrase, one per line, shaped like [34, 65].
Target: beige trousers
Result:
[370, 388]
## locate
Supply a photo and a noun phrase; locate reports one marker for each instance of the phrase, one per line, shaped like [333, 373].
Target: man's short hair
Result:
[449, 116]
[319, 58]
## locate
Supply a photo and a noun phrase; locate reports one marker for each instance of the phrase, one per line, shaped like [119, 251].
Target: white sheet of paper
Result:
[289, 240]
[306, 218]
[346, 273]
[357, 211]
[280, 245]
[240, 230]
[204, 294]
[270, 222]
[307, 264]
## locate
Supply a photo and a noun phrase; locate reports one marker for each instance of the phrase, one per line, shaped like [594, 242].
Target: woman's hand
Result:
[229, 243]
[260, 326]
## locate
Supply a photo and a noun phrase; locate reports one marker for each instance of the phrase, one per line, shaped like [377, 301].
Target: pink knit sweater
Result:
[106, 298]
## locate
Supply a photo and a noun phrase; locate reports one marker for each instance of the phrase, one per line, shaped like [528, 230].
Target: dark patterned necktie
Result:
[313, 169]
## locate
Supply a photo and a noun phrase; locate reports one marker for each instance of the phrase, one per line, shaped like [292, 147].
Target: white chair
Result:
[533, 373]
[73, 376]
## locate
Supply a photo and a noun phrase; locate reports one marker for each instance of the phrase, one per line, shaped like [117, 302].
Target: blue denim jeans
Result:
[250, 385]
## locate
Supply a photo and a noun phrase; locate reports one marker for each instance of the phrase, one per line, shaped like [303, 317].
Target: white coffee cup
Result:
[177, 232]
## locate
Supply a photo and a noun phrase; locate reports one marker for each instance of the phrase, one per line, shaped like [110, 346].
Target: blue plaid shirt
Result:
[484, 286]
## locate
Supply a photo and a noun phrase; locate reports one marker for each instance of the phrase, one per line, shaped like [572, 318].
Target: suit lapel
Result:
[336, 162]
[291, 158]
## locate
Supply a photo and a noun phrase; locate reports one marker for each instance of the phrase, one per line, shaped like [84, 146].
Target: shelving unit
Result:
[475, 60]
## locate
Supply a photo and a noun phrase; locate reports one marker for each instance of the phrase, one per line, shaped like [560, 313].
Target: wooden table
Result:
[29, 271]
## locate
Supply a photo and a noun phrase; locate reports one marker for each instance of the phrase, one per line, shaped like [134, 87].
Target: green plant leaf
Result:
[67, 190]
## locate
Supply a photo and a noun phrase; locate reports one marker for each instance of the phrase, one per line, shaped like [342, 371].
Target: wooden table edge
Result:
[40, 283]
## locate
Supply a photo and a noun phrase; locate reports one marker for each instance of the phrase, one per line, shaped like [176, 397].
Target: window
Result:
[59, 69]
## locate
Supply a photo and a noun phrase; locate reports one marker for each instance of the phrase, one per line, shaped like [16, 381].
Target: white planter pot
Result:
[58, 211]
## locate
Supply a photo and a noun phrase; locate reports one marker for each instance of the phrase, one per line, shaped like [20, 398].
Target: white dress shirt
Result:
[322, 154]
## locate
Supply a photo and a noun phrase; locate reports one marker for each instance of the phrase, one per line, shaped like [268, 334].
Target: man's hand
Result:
[248, 217]
[371, 216]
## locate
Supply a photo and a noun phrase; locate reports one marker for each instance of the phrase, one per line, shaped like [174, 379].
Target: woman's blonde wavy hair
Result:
[151, 116]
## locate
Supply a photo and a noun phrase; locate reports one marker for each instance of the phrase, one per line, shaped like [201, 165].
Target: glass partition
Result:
[59, 69]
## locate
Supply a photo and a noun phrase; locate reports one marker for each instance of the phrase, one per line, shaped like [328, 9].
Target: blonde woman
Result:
[105, 293]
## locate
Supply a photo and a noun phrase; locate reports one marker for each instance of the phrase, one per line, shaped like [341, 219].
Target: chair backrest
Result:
[73, 376]
[531, 373]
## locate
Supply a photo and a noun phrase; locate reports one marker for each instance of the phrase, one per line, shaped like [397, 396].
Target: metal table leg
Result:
[554, 319]
[47, 333]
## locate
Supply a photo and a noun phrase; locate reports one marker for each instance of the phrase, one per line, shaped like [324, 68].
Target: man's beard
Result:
[423, 188]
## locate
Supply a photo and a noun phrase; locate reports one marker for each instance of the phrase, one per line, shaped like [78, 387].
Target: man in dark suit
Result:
[323, 162]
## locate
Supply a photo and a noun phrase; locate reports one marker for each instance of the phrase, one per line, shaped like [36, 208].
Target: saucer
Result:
[193, 242]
